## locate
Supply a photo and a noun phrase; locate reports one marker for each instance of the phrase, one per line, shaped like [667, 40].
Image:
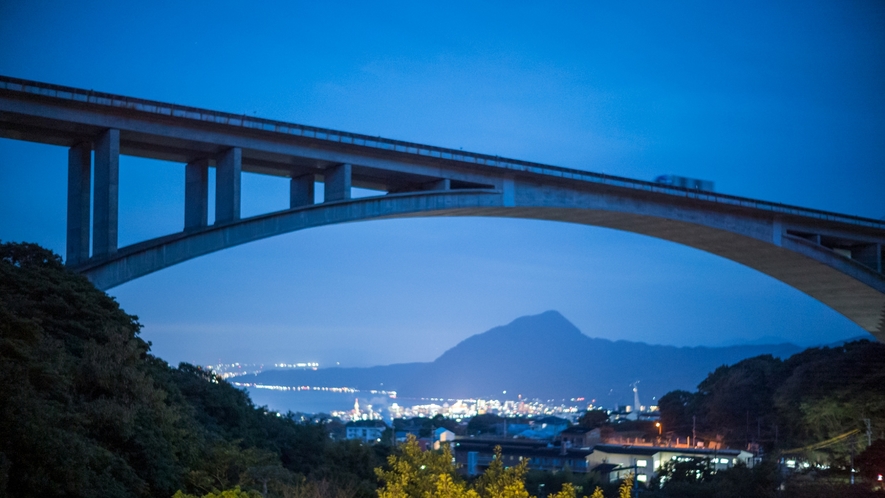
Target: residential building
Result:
[473, 456]
[580, 437]
[619, 460]
[369, 431]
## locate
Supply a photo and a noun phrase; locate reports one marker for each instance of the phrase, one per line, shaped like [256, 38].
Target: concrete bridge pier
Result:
[79, 203]
[337, 183]
[301, 191]
[228, 170]
[196, 194]
[107, 191]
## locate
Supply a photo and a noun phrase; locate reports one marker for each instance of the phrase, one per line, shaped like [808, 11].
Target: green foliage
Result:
[829, 392]
[697, 479]
[544, 482]
[426, 426]
[498, 480]
[484, 424]
[677, 408]
[80, 415]
[230, 493]
[592, 419]
[413, 473]
[813, 396]
[626, 489]
[85, 410]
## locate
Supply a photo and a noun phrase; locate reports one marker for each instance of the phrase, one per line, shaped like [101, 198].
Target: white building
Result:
[619, 460]
[443, 436]
[369, 431]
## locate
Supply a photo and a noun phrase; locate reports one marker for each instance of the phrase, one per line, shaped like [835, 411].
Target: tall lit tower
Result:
[634, 415]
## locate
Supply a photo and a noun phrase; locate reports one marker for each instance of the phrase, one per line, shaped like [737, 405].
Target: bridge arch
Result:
[759, 242]
[835, 258]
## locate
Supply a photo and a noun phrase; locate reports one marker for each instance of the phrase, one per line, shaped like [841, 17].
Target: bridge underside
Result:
[847, 286]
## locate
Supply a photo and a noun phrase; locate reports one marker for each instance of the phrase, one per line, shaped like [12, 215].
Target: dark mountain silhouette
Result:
[541, 356]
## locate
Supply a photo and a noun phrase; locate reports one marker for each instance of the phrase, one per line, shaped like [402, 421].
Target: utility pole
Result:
[694, 421]
[869, 432]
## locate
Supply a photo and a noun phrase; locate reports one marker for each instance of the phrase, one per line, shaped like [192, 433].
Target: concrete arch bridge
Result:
[835, 258]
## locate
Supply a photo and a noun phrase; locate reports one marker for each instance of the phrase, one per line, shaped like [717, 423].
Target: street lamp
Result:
[658, 425]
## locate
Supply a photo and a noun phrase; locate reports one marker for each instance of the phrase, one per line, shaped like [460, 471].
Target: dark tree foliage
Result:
[813, 396]
[732, 397]
[446, 423]
[872, 461]
[542, 483]
[425, 426]
[484, 424]
[677, 409]
[79, 415]
[592, 419]
[85, 410]
[831, 391]
[695, 479]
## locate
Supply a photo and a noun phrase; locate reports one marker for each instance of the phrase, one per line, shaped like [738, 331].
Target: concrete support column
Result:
[229, 166]
[79, 201]
[301, 191]
[509, 192]
[107, 185]
[337, 183]
[196, 194]
[869, 255]
[777, 232]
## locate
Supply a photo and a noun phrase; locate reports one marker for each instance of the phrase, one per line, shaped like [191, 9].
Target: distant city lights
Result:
[229, 370]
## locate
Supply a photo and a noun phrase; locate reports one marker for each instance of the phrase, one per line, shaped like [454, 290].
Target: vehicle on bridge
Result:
[681, 181]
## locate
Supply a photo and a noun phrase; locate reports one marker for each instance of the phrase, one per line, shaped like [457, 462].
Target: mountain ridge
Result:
[538, 356]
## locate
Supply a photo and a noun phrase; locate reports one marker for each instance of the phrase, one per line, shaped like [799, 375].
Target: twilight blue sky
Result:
[782, 101]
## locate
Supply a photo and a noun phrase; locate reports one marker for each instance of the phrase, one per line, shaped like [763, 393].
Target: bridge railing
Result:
[230, 119]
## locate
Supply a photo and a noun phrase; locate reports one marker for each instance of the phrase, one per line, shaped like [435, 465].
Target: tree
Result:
[413, 473]
[677, 408]
[80, 413]
[871, 461]
[626, 489]
[498, 481]
[86, 410]
[485, 423]
[230, 493]
[592, 419]
[416, 473]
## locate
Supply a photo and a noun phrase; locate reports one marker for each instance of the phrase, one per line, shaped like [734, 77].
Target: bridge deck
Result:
[67, 130]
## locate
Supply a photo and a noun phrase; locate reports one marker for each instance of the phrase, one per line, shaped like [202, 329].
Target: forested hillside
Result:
[815, 395]
[86, 410]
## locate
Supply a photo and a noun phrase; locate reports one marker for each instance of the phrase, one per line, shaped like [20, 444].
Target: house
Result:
[443, 436]
[619, 460]
[544, 428]
[369, 431]
[580, 437]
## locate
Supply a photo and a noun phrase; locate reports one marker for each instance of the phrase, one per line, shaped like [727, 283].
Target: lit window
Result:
[724, 461]
[642, 463]
[642, 478]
